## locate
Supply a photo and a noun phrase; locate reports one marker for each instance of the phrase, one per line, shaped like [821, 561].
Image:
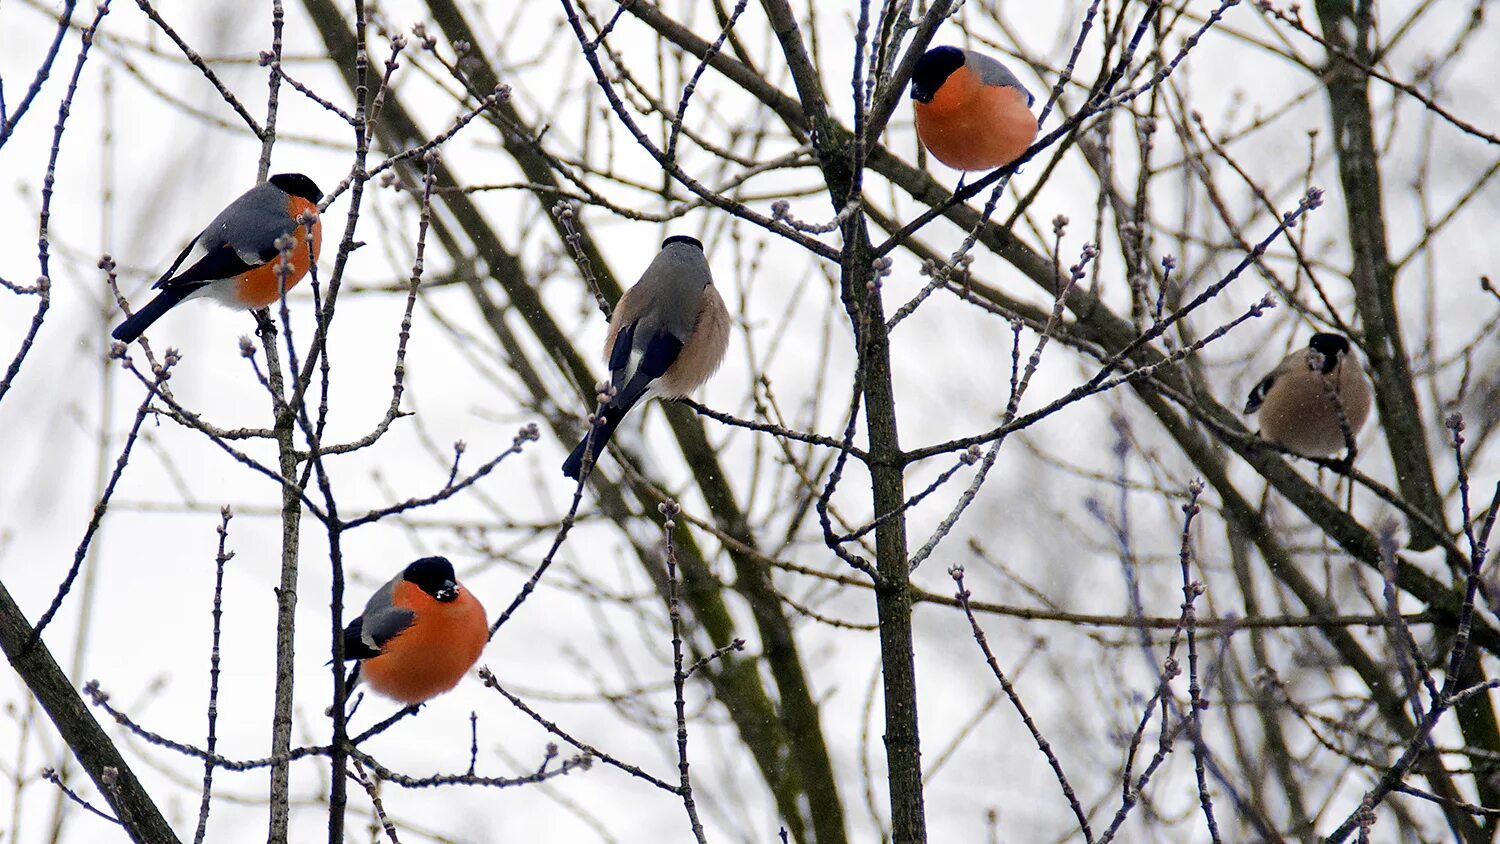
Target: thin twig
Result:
[223, 557]
[957, 573]
[669, 510]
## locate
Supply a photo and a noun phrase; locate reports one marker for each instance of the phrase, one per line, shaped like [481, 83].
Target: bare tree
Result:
[968, 540]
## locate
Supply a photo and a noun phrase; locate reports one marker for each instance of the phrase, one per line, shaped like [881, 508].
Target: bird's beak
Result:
[447, 592]
[920, 94]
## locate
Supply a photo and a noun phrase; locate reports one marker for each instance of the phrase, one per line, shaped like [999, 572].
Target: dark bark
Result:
[1373, 276]
[1372, 273]
[841, 164]
[286, 596]
[133, 807]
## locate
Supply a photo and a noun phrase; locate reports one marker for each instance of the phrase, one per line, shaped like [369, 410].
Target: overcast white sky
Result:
[138, 176]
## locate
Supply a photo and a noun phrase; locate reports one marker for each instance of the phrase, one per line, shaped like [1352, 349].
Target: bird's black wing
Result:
[365, 637]
[1258, 395]
[661, 352]
[222, 261]
[166, 277]
[619, 356]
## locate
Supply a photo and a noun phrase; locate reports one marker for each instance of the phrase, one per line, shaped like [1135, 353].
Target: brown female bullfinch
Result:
[972, 113]
[667, 336]
[235, 258]
[419, 634]
[1300, 401]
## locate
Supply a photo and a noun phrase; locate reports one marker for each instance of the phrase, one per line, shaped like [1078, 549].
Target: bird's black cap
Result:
[933, 69]
[433, 575]
[1330, 346]
[682, 238]
[298, 185]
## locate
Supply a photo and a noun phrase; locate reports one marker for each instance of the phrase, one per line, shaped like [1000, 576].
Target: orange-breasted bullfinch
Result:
[235, 260]
[972, 113]
[667, 336]
[1301, 401]
[419, 634]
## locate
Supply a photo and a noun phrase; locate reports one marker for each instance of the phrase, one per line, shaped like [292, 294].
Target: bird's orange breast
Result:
[261, 286]
[433, 654]
[972, 126]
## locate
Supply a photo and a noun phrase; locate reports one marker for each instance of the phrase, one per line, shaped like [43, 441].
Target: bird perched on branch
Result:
[419, 634]
[972, 113]
[236, 259]
[1313, 397]
[667, 336]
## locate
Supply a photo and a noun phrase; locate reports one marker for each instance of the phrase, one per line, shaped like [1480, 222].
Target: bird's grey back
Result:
[383, 597]
[673, 283]
[992, 72]
[258, 218]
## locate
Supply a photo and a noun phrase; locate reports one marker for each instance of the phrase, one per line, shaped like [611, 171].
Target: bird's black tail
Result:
[599, 436]
[352, 680]
[133, 327]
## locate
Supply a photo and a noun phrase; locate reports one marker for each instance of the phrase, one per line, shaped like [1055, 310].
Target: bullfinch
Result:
[1300, 401]
[235, 259]
[419, 634]
[667, 336]
[972, 113]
